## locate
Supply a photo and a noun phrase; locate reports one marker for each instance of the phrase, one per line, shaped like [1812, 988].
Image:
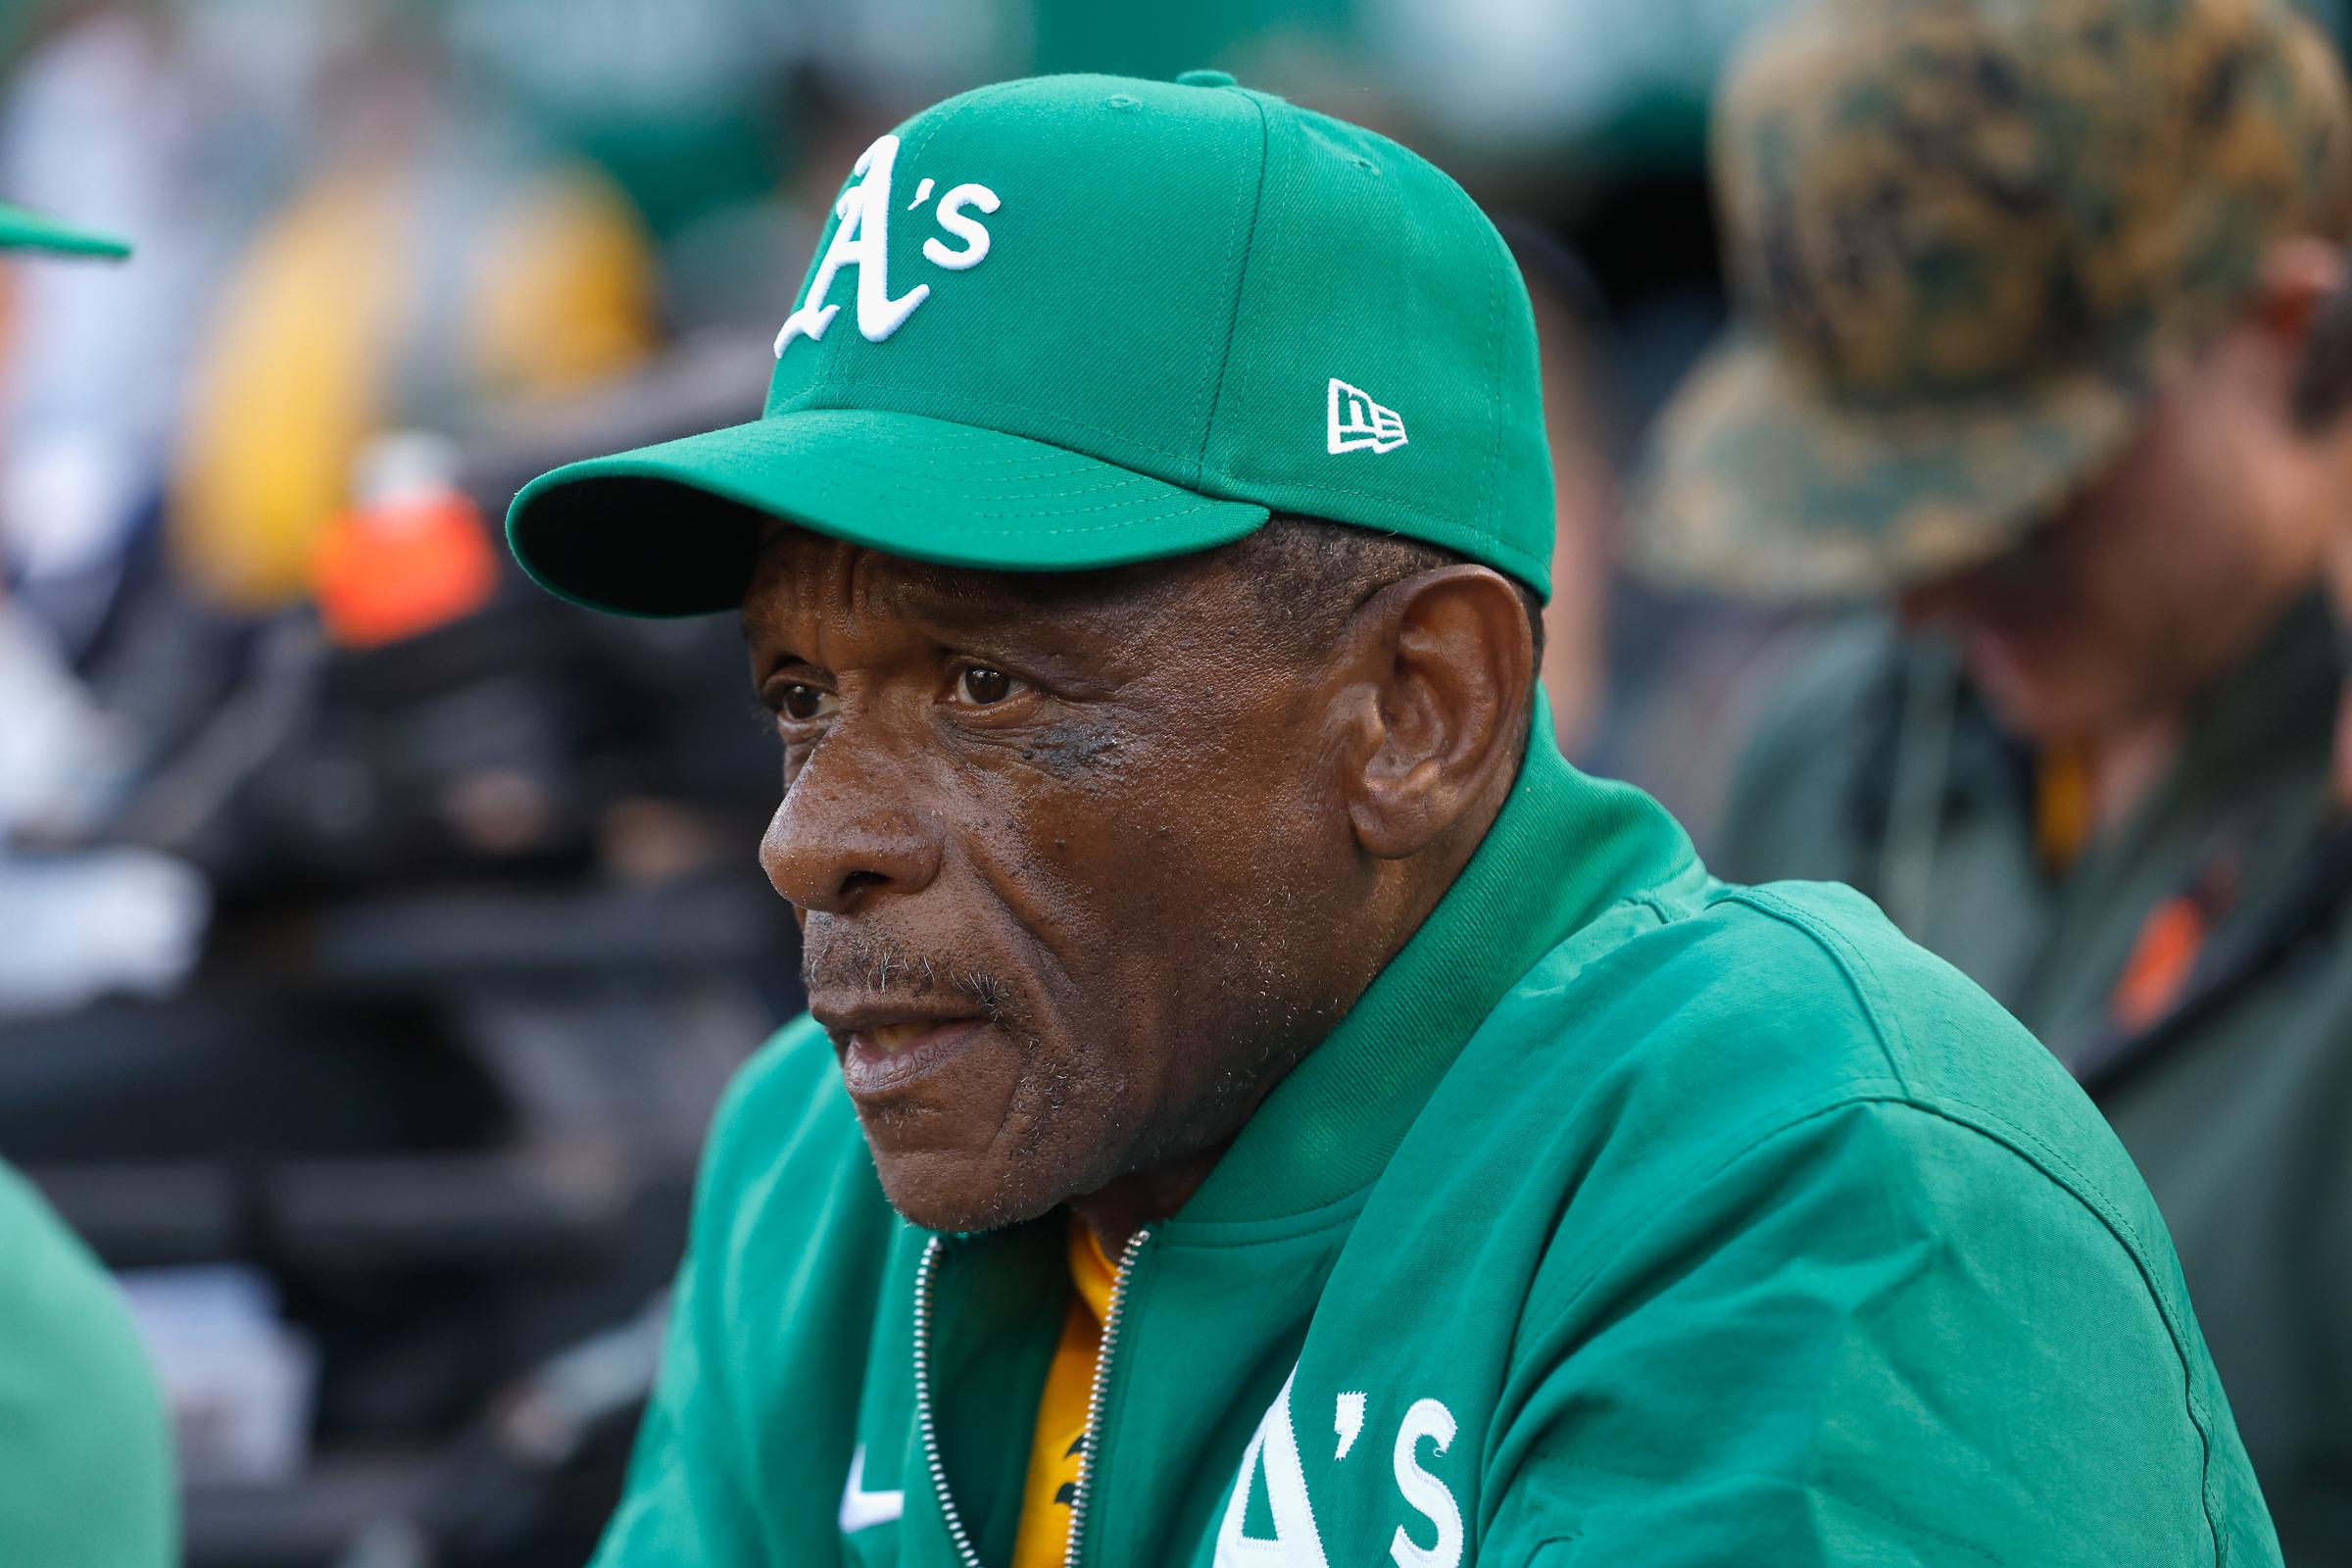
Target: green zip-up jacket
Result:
[1630, 1217]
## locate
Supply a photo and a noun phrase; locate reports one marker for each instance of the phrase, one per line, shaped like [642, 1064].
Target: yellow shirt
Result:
[1044, 1539]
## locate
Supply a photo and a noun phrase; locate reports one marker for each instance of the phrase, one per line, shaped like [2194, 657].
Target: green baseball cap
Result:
[21, 230]
[1966, 238]
[1077, 322]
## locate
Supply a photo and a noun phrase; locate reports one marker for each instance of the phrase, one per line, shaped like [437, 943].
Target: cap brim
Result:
[674, 530]
[1758, 485]
[20, 230]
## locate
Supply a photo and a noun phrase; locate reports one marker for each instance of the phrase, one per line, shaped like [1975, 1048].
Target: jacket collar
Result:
[1564, 847]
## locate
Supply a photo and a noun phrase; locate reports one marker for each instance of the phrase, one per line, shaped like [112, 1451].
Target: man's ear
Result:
[1451, 666]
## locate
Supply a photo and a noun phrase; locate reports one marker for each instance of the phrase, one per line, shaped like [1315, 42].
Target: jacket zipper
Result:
[924, 1425]
[1094, 1395]
[927, 1427]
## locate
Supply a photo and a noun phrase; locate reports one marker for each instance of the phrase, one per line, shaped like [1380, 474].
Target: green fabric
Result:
[85, 1456]
[2237, 1115]
[21, 230]
[1179, 281]
[1630, 1217]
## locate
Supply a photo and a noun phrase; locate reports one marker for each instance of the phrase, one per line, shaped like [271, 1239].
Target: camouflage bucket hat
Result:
[1966, 238]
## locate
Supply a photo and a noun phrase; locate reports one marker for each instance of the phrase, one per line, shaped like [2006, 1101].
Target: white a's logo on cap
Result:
[862, 239]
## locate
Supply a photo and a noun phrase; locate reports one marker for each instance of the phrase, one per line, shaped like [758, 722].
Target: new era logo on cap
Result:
[1356, 421]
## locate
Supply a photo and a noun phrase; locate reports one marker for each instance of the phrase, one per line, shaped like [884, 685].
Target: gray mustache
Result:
[837, 959]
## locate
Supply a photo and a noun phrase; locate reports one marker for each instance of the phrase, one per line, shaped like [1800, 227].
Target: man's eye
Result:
[804, 702]
[982, 687]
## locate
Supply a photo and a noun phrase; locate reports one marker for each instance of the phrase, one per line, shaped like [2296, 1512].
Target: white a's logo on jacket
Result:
[1298, 1539]
[862, 239]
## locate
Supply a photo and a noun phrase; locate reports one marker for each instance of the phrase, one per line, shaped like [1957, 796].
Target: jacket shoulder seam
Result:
[1860, 975]
[1990, 1124]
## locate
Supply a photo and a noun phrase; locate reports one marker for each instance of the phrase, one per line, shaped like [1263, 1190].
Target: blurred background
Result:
[375, 932]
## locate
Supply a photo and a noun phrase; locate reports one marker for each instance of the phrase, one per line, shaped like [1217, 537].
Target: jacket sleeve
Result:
[685, 1500]
[740, 1458]
[1875, 1336]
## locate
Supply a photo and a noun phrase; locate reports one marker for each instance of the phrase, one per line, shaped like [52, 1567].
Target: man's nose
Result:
[845, 834]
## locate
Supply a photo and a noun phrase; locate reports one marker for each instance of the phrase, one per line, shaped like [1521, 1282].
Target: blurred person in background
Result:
[2028, 291]
[85, 1451]
[1638, 678]
[139, 119]
[323, 699]
[429, 263]
[1578, 430]
[102, 117]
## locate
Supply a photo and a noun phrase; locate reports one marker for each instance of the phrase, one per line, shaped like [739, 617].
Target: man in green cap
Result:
[1322, 1126]
[85, 1452]
[2026, 294]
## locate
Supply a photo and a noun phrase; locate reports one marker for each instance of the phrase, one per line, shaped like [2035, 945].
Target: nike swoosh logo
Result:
[861, 1510]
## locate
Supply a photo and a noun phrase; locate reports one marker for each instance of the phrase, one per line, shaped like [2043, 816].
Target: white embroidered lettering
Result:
[1348, 1419]
[1425, 1492]
[951, 218]
[861, 240]
[1296, 1543]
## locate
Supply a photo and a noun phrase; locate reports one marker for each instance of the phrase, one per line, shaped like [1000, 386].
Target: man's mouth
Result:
[879, 1058]
[890, 1038]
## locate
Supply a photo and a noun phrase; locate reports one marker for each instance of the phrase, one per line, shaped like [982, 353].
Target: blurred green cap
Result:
[21, 230]
[1966, 237]
[1076, 321]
